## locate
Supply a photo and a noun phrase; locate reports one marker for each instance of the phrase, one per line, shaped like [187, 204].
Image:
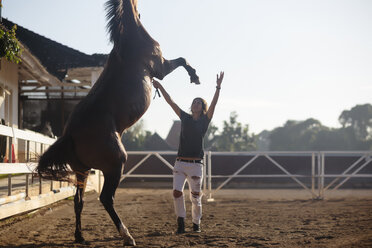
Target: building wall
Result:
[9, 108]
[9, 81]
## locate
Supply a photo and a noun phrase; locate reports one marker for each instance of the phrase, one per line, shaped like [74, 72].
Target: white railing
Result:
[254, 156]
[316, 173]
[160, 155]
[351, 171]
[26, 146]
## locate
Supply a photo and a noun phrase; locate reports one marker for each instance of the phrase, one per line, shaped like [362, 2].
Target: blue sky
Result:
[291, 59]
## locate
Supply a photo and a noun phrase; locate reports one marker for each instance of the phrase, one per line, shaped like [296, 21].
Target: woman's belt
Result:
[190, 160]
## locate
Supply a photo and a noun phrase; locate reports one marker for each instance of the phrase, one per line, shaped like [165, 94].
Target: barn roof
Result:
[55, 57]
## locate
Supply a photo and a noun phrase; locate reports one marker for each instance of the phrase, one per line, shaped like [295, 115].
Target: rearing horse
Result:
[121, 95]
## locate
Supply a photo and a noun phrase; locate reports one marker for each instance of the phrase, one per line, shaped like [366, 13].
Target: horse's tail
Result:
[53, 163]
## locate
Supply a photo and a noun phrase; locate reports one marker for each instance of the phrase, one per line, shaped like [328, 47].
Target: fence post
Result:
[321, 175]
[99, 182]
[10, 155]
[313, 174]
[27, 187]
[27, 151]
[210, 198]
[9, 184]
[318, 174]
[10, 159]
[204, 173]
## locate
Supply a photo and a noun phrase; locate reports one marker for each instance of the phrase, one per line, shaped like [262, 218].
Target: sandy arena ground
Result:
[237, 218]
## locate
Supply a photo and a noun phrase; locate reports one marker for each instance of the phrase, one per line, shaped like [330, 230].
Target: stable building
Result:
[48, 82]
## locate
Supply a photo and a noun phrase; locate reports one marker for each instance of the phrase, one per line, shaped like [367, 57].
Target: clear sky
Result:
[290, 59]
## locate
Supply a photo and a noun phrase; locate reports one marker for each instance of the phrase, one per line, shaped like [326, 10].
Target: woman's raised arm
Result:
[211, 108]
[167, 98]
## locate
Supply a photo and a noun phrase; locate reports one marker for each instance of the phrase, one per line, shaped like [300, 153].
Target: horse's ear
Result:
[135, 2]
[135, 9]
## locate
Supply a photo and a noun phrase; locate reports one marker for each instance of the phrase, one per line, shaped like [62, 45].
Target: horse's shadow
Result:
[38, 245]
[64, 243]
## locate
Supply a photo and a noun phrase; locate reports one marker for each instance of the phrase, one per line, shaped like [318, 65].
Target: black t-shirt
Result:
[192, 134]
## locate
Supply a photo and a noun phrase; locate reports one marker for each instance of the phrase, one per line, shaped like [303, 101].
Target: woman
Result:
[188, 165]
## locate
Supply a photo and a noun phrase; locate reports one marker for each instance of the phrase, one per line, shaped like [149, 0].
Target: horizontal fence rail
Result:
[251, 163]
[163, 160]
[359, 168]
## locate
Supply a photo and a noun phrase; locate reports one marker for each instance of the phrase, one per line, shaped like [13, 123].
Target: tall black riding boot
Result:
[181, 225]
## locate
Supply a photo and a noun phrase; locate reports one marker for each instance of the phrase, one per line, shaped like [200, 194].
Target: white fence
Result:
[352, 171]
[315, 175]
[28, 144]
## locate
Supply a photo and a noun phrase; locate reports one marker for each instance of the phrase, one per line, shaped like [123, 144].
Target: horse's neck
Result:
[136, 43]
[116, 71]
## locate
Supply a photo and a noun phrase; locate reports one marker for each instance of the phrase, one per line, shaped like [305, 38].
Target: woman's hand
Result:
[219, 79]
[167, 98]
[156, 84]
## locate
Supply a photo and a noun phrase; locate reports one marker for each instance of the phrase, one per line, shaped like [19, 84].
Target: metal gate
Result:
[317, 175]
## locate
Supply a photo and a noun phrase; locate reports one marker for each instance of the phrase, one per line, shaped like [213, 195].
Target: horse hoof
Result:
[81, 240]
[129, 242]
[195, 81]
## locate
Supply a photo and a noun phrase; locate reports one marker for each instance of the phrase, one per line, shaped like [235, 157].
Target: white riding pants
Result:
[193, 173]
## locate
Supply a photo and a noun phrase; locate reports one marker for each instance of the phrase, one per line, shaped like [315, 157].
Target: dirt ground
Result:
[237, 218]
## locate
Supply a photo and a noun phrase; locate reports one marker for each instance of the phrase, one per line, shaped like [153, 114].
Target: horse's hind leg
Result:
[81, 182]
[107, 198]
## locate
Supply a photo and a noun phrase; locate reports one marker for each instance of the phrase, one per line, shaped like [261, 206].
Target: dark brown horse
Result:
[122, 94]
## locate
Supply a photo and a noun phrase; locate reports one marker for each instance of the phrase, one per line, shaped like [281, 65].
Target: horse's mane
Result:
[121, 15]
[115, 17]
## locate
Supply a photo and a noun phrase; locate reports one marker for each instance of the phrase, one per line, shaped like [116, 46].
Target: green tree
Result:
[234, 136]
[339, 139]
[262, 141]
[295, 135]
[210, 137]
[312, 135]
[359, 118]
[9, 45]
[134, 138]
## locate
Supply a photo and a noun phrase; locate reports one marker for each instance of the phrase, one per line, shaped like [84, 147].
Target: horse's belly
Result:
[133, 111]
[137, 110]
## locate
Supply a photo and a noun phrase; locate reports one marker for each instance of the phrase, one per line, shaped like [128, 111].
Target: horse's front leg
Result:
[168, 66]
